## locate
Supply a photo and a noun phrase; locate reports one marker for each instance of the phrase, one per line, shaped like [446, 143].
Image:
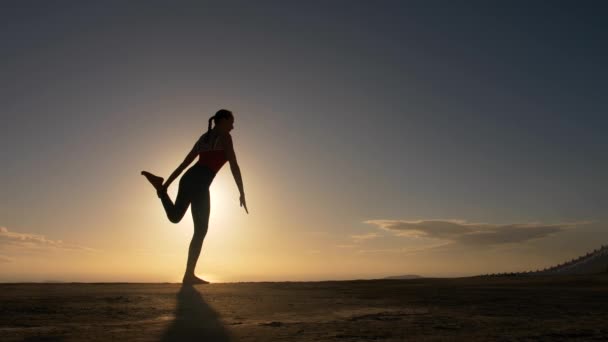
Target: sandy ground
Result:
[550, 308]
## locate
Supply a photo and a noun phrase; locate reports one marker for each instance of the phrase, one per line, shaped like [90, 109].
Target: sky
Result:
[375, 139]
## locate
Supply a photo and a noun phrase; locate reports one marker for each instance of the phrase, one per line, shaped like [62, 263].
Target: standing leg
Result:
[200, 216]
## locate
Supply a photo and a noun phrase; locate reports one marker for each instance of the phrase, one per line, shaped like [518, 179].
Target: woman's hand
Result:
[243, 203]
[160, 191]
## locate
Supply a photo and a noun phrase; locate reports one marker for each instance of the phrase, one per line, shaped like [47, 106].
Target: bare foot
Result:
[157, 182]
[193, 280]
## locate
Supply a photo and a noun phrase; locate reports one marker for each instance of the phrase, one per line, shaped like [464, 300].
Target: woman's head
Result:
[223, 120]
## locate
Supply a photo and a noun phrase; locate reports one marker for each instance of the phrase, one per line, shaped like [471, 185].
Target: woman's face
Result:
[226, 125]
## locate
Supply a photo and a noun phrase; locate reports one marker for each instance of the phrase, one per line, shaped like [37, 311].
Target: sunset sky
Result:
[375, 138]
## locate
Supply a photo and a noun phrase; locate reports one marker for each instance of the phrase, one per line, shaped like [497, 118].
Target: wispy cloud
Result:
[363, 237]
[26, 241]
[467, 233]
[346, 246]
[404, 250]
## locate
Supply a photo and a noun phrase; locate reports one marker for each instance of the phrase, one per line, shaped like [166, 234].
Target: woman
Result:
[213, 148]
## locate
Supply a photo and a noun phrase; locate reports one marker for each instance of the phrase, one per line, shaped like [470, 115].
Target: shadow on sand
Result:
[195, 320]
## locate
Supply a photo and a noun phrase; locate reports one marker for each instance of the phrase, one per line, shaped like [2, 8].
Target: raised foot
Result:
[193, 280]
[157, 182]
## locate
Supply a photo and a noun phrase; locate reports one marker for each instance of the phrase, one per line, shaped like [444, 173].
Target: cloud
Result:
[346, 246]
[405, 250]
[478, 234]
[34, 242]
[363, 237]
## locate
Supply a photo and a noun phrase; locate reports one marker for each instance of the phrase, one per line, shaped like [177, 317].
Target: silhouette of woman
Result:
[213, 148]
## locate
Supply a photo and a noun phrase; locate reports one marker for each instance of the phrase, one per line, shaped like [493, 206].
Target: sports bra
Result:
[209, 155]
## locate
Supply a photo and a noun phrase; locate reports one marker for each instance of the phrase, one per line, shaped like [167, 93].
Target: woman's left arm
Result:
[234, 167]
[187, 161]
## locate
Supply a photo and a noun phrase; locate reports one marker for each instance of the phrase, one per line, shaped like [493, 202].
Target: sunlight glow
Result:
[223, 199]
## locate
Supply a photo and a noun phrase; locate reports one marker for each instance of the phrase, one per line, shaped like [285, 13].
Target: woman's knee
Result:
[175, 217]
[200, 219]
[199, 234]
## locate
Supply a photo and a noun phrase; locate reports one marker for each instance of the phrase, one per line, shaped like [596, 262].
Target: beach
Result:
[544, 308]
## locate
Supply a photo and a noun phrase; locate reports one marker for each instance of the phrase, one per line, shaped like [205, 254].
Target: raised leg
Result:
[156, 181]
[175, 211]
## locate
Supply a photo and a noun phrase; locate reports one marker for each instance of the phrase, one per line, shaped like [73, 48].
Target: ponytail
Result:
[211, 119]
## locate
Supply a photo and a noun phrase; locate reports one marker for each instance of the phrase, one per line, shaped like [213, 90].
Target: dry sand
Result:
[549, 308]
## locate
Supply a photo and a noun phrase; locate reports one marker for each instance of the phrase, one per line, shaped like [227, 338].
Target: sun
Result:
[224, 199]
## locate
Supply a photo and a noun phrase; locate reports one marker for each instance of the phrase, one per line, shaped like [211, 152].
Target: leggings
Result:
[193, 190]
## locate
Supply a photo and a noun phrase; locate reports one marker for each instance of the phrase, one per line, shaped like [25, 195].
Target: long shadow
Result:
[195, 320]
